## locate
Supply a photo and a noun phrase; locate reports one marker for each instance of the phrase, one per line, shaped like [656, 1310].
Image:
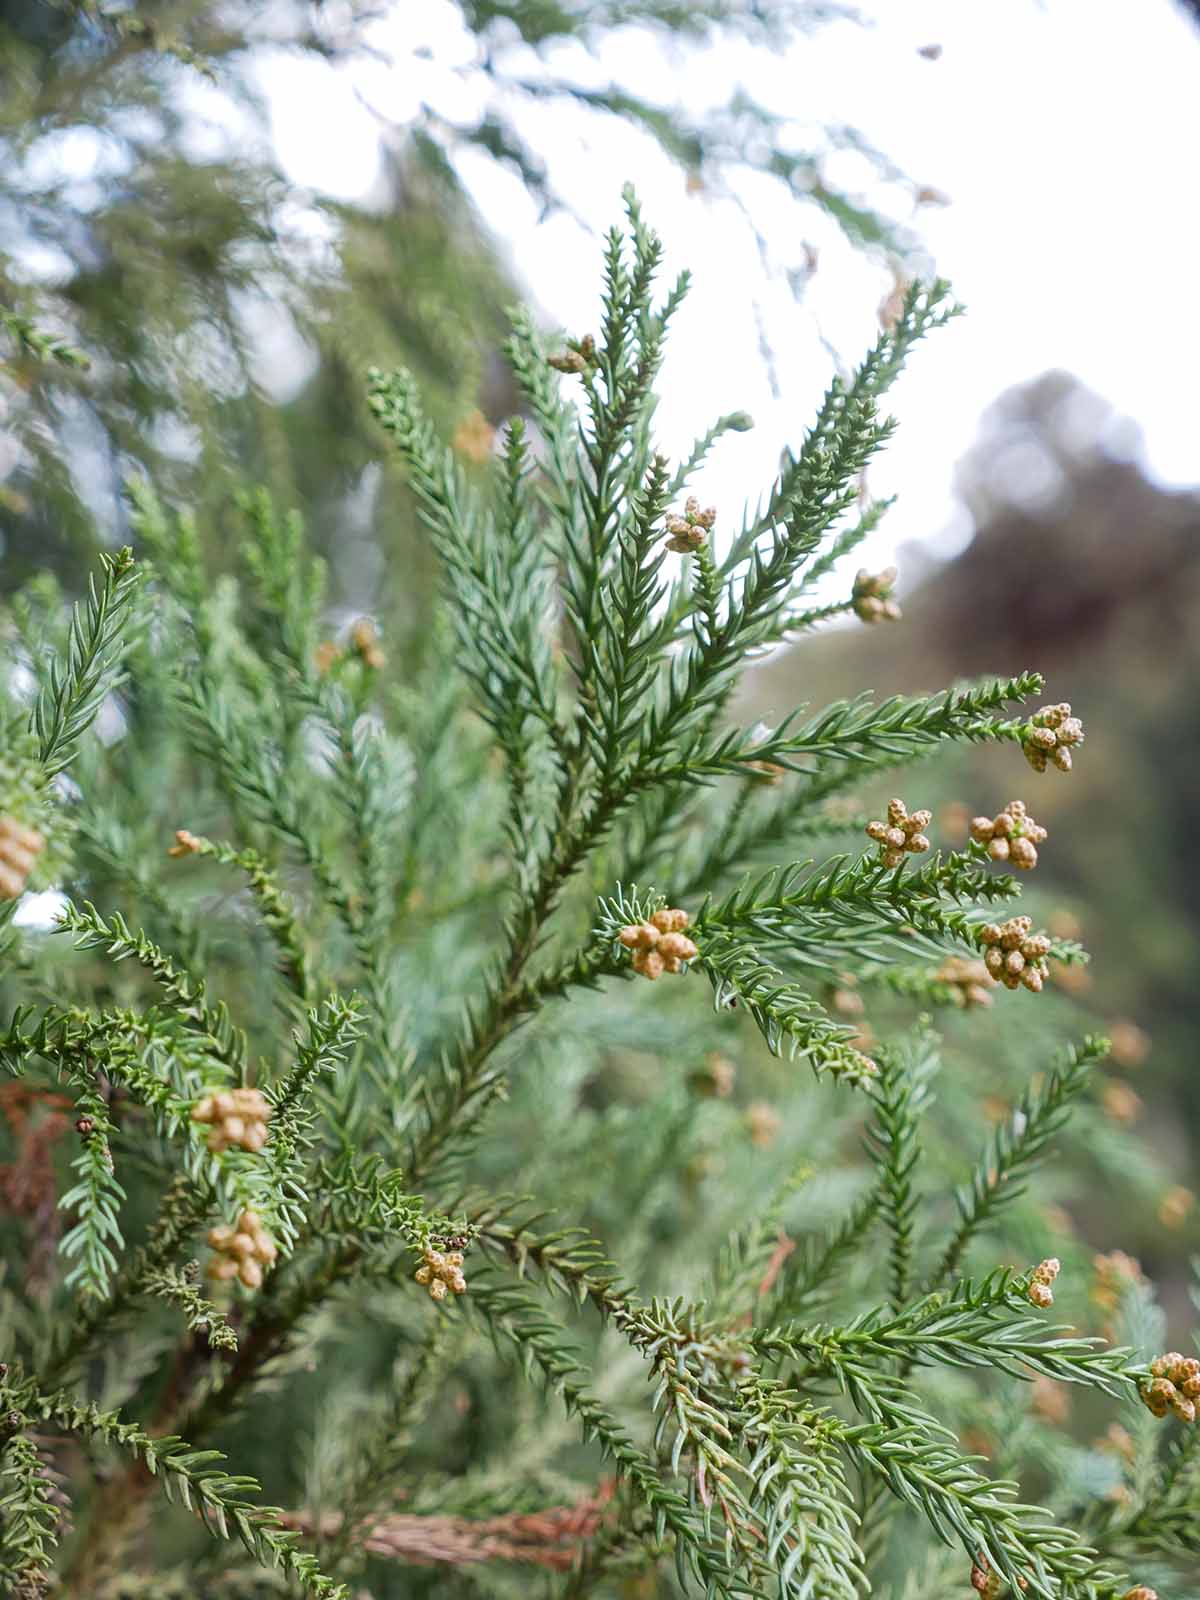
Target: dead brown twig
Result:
[551, 1538]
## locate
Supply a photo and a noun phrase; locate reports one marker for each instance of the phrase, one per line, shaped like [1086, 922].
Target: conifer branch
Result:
[76, 688]
[892, 1141]
[95, 1200]
[278, 913]
[975, 1324]
[1016, 1148]
[29, 1522]
[38, 343]
[201, 1315]
[195, 1479]
[185, 996]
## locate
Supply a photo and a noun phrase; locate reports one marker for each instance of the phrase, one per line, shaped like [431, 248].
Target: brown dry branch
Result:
[553, 1538]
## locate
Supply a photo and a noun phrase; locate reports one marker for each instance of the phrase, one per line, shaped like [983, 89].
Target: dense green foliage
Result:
[408, 919]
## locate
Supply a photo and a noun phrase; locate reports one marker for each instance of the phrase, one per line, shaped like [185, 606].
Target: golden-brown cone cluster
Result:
[900, 834]
[186, 844]
[1052, 733]
[364, 638]
[871, 597]
[238, 1117]
[241, 1252]
[1175, 1205]
[659, 945]
[1174, 1386]
[1115, 1274]
[1040, 1291]
[441, 1272]
[19, 849]
[473, 437]
[1014, 955]
[578, 357]
[1012, 835]
[689, 531]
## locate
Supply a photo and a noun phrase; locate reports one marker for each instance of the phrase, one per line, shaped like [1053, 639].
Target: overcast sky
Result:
[1064, 134]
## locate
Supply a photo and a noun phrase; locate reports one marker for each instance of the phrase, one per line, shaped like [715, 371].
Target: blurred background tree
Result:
[1079, 561]
[226, 315]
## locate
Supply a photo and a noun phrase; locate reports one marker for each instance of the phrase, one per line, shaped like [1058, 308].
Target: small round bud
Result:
[186, 844]
[649, 963]
[1023, 854]
[671, 920]
[1160, 1395]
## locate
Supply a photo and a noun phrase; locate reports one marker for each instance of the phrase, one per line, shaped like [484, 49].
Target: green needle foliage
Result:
[343, 965]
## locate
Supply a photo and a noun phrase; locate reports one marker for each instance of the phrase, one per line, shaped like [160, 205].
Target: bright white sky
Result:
[1064, 132]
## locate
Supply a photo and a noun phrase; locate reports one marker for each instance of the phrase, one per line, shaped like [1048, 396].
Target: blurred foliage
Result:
[222, 318]
[1080, 562]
